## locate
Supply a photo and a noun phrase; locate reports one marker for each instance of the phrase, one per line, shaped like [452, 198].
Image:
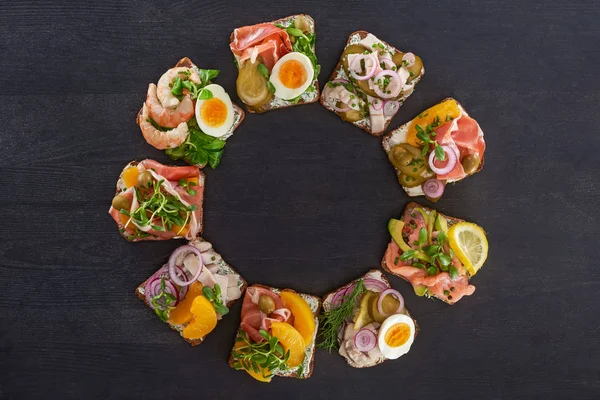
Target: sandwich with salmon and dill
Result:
[441, 145]
[435, 253]
[193, 291]
[154, 201]
[277, 63]
[370, 82]
[277, 334]
[188, 116]
[367, 322]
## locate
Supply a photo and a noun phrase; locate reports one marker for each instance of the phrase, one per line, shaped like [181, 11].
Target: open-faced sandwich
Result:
[370, 82]
[441, 145]
[277, 63]
[188, 116]
[158, 202]
[436, 253]
[367, 322]
[193, 290]
[277, 333]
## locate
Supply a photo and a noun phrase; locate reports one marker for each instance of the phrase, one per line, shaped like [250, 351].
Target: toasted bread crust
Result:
[385, 143]
[269, 106]
[413, 204]
[187, 63]
[334, 75]
[384, 279]
[316, 314]
[193, 342]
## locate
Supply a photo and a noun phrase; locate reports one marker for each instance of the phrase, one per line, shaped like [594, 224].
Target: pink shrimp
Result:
[162, 139]
[167, 99]
[168, 117]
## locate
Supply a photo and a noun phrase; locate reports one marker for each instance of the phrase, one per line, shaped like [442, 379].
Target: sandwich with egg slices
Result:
[441, 145]
[370, 82]
[154, 201]
[435, 253]
[277, 334]
[367, 322]
[188, 116]
[193, 291]
[277, 63]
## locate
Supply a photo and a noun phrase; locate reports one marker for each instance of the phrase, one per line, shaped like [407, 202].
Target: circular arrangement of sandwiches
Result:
[366, 321]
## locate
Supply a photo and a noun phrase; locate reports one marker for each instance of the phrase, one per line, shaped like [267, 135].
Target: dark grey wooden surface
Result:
[301, 199]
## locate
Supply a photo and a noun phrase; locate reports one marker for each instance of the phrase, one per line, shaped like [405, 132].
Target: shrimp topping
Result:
[165, 84]
[168, 117]
[162, 139]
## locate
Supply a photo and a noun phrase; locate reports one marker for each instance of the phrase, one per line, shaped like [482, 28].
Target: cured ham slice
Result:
[266, 41]
[253, 319]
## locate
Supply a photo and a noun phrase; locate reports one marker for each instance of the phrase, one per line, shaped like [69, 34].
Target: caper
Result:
[470, 163]
[144, 179]
[266, 304]
[121, 201]
[400, 157]
[301, 22]
[351, 116]
[409, 181]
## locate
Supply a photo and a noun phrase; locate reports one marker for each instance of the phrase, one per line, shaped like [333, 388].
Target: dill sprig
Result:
[332, 320]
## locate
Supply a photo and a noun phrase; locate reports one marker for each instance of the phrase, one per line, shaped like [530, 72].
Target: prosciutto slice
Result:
[266, 41]
[254, 320]
[171, 176]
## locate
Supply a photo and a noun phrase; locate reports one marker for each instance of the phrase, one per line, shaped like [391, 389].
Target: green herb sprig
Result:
[263, 357]
[199, 148]
[188, 186]
[163, 302]
[214, 296]
[332, 320]
[427, 136]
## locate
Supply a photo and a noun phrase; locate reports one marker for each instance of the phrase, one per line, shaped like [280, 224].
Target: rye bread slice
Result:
[397, 136]
[307, 97]
[451, 221]
[223, 267]
[121, 188]
[373, 273]
[238, 113]
[314, 303]
[338, 72]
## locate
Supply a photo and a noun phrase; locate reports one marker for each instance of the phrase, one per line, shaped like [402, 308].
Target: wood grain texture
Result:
[301, 199]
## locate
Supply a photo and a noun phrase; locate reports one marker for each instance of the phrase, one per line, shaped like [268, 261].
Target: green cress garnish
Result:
[262, 357]
[162, 310]
[427, 136]
[214, 296]
[332, 320]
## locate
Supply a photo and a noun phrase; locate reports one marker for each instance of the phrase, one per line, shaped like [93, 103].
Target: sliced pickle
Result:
[252, 86]
[409, 181]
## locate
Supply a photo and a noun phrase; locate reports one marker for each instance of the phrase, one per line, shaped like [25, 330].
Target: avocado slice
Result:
[420, 290]
[441, 224]
[395, 226]
[430, 223]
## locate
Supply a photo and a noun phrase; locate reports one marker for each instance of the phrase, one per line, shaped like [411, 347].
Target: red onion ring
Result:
[390, 108]
[375, 285]
[377, 104]
[450, 156]
[393, 293]
[152, 288]
[409, 58]
[365, 340]
[370, 70]
[395, 80]
[173, 259]
[433, 188]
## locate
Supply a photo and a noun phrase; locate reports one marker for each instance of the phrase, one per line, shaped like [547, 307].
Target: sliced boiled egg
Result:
[215, 115]
[292, 75]
[396, 335]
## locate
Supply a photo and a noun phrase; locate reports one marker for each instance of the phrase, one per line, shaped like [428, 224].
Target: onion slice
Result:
[451, 161]
[390, 108]
[394, 87]
[172, 264]
[389, 292]
[375, 285]
[152, 288]
[365, 340]
[409, 58]
[433, 188]
[370, 70]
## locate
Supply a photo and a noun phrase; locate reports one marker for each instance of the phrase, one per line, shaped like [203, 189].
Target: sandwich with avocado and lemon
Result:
[436, 253]
[441, 145]
[367, 322]
[277, 334]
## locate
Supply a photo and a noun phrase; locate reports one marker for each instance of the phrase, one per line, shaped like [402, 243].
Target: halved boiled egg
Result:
[292, 75]
[396, 335]
[215, 115]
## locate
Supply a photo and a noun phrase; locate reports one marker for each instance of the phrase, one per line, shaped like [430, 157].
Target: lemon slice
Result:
[470, 245]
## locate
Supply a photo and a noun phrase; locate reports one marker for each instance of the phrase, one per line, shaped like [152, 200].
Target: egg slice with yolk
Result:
[215, 115]
[396, 335]
[292, 75]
